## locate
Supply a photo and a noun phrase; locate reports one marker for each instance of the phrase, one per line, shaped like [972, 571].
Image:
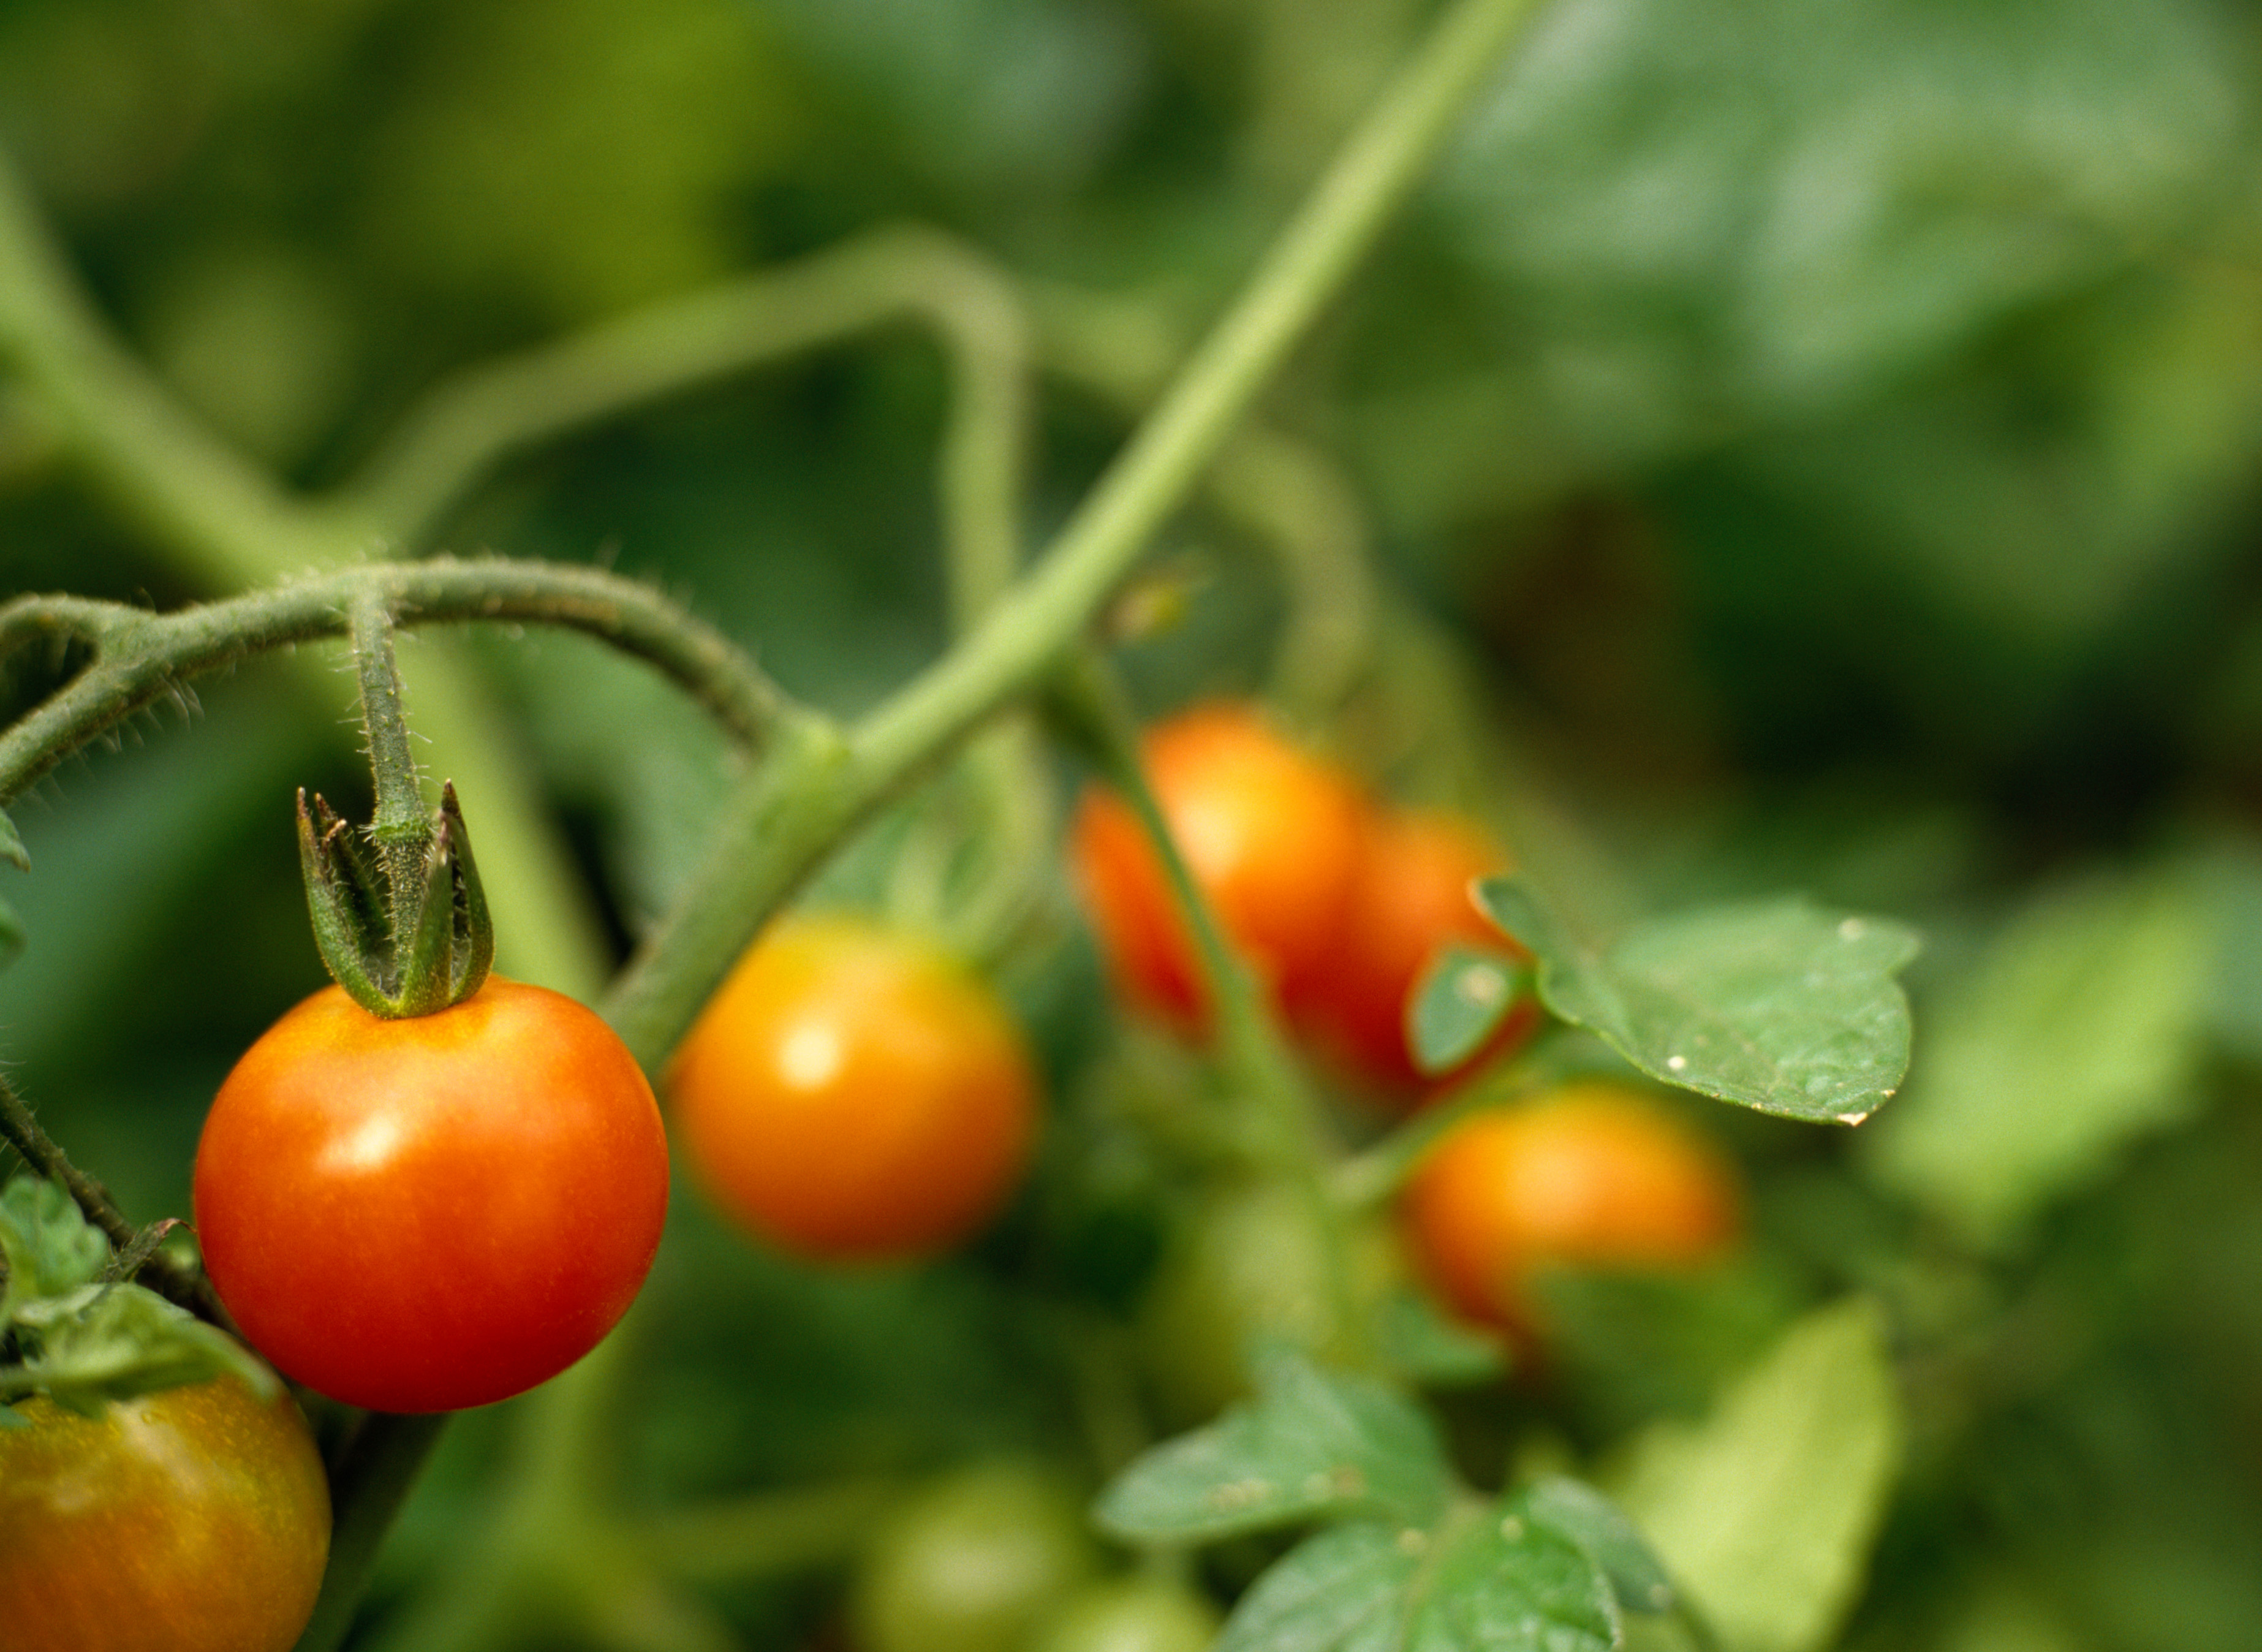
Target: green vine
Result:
[813, 781]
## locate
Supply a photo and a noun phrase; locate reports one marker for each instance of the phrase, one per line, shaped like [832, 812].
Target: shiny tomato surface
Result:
[434, 1213]
[852, 1093]
[1590, 1176]
[1271, 835]
[194, 1520]
[1411, 897]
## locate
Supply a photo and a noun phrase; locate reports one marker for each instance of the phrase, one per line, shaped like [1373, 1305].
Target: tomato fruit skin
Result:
[1590, 1176]
[852, 1093]
[1410, 897]
[193, 1520]
[973, 1563]
[1271, 835]
[435, 1213]
[1131, 1614]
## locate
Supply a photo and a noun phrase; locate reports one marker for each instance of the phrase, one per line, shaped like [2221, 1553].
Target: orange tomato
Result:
[1410, 897]
[432, 1213]
[192, 1520]
[1590, 1176]
[852, 1093]
[1271, 835]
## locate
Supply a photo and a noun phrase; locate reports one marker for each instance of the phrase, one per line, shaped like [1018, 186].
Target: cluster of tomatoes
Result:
[1338, 903]
[850, 1093]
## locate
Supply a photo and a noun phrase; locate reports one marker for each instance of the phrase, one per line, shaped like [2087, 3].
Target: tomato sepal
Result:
[117, 1342]
[405, 935]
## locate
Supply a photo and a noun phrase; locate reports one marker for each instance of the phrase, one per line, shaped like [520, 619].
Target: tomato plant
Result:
[1588, 1176]
[1271, 835]
[973, 1563]
[192, 1520]
[852, 1092]
[432, 1213]
[1409, 897]
[1130, 1614]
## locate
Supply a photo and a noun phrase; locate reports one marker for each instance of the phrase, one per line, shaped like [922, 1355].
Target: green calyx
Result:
[403, 926]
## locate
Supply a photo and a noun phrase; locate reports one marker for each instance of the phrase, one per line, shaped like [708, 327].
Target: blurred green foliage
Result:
[1830, 429]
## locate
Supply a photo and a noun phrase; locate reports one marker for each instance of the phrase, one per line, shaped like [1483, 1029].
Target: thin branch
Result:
[471, 423]
[178, 1281]
[142, 657]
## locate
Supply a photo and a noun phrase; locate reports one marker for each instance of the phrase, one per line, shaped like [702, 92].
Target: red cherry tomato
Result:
[1410, 898]
[850, 1092]
[194, 1520]
[1271, 835]
[435, 1213]
[1591, 1176]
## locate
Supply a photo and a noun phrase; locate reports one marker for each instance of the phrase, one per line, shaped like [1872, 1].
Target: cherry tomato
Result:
[1590, 1176]
[851, 1092]
[193, 1520]
[1271, 835]
[1410, 897]
[435, 1213]
[1252, 1264]
[1131, 1614]
[972, 1564]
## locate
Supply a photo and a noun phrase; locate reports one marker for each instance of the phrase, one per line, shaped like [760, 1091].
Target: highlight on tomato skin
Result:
[192, 1520]
[851, 1093]
[1271, 834]
[1411, 897]
[1592, 1175]
[434, 1213]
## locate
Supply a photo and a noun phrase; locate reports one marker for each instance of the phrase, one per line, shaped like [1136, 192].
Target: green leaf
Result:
[1312, 1445]
[113, 1342]
[11, 845]
[1576, 1510]
[1765, 1512]
[1493, 1579]
[1511, 1582]
[1425, 1346]
[1342, 1591]
[1463, 994]
[2075, 1033]
[50, 1247]
[1776, 1004]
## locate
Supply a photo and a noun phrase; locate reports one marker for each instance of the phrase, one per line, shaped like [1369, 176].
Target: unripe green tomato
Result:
[1252, 1266]
[973, 1564]
[1132, 1614]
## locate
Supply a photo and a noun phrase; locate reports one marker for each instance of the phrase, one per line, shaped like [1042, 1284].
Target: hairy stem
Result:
[142, 657]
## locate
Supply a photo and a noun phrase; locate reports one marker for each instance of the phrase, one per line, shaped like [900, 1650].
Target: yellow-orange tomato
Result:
[1410, 897]
[193, 1520]
[1590, 1176]
[851, 1092]
[1271, 835]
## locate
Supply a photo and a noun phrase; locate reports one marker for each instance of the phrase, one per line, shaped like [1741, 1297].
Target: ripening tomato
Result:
[193, 1520]
[1590, 1176]
[852, 1092]
[1271, 835]
[434, 1213]
[973, 1563]
[1411, 897]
